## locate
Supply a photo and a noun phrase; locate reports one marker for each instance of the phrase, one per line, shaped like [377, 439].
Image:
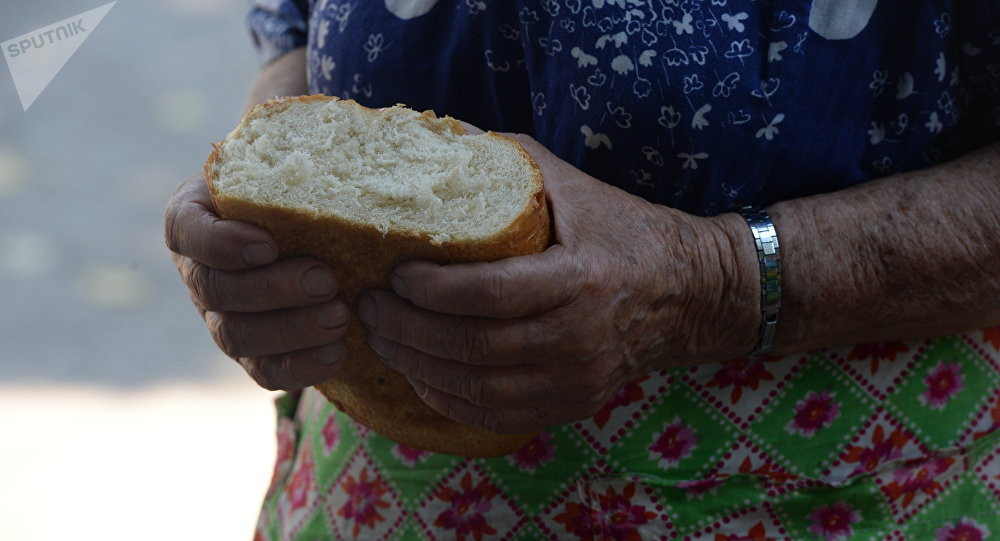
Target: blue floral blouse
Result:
[702, 105]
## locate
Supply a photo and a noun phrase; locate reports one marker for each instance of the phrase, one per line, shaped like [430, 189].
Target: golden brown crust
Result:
[365, 388]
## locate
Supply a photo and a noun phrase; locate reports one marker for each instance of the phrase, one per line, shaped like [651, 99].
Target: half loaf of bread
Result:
[364, 190]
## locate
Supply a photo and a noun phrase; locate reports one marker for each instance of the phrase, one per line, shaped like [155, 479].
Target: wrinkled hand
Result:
[527, 342]
[278, 319]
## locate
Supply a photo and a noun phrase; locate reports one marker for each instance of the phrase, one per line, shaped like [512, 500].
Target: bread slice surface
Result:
[394, 168]
[364, 190]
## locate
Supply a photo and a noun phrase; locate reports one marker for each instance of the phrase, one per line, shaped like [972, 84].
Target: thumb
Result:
[568, 190]
[562, 180]
[470, 129]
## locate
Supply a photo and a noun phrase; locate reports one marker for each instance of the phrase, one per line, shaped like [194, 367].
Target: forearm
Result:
[908, 256]
[285, 76]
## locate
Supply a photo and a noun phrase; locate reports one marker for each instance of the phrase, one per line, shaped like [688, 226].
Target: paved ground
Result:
[90, 305]
[166, 463]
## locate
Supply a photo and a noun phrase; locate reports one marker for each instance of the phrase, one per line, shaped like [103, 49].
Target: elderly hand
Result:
[527, 342]
[278, 319]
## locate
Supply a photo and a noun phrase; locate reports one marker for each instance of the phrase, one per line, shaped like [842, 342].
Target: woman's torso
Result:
[702, 105]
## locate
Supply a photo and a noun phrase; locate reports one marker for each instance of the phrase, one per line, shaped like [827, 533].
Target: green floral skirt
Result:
[877, 441]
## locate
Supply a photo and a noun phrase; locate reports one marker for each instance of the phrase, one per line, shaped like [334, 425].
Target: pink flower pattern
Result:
[742, 372]
[286, 450]
[702, 487]
[616, 517]
[579, 519]
[468, 507]
[883, 449]
[918, 475]
[965, 529]
[301, 485]
[877, 351]
[943, 383]
[408, 455]
[537, 452]
[815, 411]
[364, 500]
[630, 393]
[676, 442]
[834, 521]
[330, 433]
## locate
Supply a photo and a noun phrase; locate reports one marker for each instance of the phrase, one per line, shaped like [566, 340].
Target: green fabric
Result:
[894, 441]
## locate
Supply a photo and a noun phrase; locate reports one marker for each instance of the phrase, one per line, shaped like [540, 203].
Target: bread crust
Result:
[362, 258]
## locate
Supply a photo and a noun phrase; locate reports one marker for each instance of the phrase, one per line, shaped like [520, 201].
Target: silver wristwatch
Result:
[769, 258]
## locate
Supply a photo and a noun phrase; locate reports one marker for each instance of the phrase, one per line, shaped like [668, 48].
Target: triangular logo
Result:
[35, 58]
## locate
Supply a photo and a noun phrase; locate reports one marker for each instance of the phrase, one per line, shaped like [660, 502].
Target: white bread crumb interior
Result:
[393, 168]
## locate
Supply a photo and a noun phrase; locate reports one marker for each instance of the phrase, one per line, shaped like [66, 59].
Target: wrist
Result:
[284, 76]
[713, 263]
[738, 298]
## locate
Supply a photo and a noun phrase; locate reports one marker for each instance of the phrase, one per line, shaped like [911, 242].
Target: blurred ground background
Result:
[118, 417]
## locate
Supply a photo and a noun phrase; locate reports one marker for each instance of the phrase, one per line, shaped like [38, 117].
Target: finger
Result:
[486, 386]
[191, 228]
[470, 129]
[279, 331]
[517, 420]
[508, 288]
[478, 341]
[295, 370]
[284, 284]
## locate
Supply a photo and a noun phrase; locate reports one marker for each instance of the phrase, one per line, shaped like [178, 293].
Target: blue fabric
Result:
[703, 105]
[277, 26]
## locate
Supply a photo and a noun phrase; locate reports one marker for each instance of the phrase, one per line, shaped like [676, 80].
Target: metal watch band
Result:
[769, 258]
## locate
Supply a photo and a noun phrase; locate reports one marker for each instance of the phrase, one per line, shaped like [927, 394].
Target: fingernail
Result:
[331, 315]
[398, 285]
[418, 386]
[317, 282]
[366, 311]
[258, 253]
[332, 354]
